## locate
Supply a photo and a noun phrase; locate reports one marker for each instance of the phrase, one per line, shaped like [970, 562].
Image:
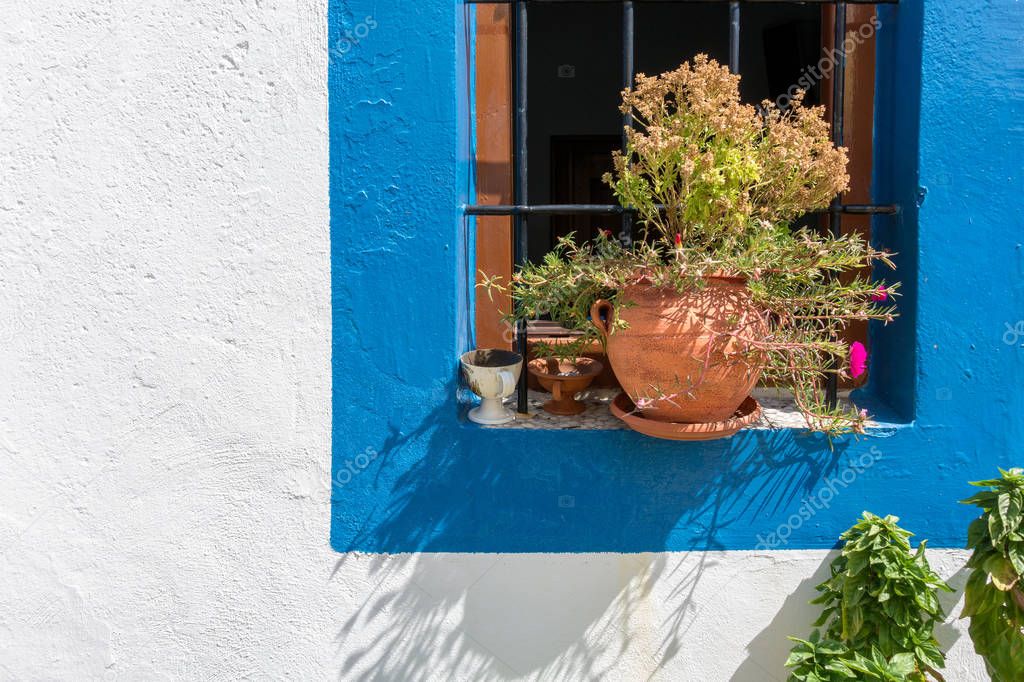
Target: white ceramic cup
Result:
[493, 375]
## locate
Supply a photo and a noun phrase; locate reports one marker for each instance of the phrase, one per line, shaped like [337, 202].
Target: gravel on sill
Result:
[778, 411]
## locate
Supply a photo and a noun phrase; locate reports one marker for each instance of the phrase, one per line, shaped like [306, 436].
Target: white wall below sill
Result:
[714, 616]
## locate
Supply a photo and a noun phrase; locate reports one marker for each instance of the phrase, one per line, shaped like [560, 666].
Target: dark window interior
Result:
[575, 77]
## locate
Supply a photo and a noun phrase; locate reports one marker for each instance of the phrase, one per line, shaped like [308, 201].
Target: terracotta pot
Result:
[564, 379]
[595, 351]
[678, 360]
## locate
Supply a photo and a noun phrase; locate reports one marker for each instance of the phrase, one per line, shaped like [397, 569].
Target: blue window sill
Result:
[779, 412]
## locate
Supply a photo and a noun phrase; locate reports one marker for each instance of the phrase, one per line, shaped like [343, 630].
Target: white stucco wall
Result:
[165, 381]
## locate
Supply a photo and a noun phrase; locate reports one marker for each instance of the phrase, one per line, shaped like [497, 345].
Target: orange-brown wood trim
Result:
[858, 128]
[494, 167]
[859, 109]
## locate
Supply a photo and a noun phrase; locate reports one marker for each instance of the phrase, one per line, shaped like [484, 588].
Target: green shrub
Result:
[881, 605]
[994, 598]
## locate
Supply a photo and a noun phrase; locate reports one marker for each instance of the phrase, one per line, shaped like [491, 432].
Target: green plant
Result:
[819, 660]
[716, 185]
[896, 669]
[881, 606]
[994, 599]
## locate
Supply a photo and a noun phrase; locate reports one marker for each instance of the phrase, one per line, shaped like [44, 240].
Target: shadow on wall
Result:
[448, 489]
[555, 615]
[471, 618]
[768, 651]
[770, 648]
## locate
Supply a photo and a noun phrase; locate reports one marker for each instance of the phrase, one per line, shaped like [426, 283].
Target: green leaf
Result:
[1012, 515]
[831, 647]
[857, 563]
[991, 483]
[974, 593]
[902, 664]
[798, 657]
[840, 668]
[854, 622]
[1002, 573]
[985, 500]
[1017, 558]
[1003, 508]
[823, 618]
[976, 532]
[931, 655]
[927, 600]
[995, 528]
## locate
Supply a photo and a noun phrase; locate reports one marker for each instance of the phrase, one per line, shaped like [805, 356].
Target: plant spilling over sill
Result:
[994, 599]
[717, 186]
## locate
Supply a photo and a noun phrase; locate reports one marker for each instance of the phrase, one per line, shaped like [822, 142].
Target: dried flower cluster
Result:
[716, 185]
[704, 168]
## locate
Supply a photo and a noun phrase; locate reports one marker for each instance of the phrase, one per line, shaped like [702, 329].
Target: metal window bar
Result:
[520, 228]
[628, 74]
[522, 208]
[835, 219]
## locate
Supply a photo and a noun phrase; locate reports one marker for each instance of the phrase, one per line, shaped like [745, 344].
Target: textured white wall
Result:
[165, 378]
[700, 617]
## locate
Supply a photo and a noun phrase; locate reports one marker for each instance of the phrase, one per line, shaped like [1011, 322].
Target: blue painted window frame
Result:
[409, 475]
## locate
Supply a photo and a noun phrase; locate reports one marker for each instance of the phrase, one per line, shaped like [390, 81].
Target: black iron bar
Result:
[614, 209]
[628, 74]
[835, 221]
[544, 209]
[520, 227]
[734, 36]
[869, 209]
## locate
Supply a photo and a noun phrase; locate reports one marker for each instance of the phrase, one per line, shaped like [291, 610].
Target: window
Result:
[548, 77]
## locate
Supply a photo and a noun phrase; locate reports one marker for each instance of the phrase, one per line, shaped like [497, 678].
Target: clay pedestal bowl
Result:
[564, 379]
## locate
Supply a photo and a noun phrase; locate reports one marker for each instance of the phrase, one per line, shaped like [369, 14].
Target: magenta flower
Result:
[858, 359]
[882, 295]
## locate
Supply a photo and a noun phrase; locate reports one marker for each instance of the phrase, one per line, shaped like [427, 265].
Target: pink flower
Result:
[882, 295]
[858, 359]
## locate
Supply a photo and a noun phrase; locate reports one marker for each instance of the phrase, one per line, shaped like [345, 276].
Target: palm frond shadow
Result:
[523, 610]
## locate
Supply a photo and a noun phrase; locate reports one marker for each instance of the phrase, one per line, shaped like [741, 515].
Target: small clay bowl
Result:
[747, 413]
[564, 379]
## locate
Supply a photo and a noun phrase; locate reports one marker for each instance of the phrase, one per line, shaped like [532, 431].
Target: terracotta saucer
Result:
[748, 413]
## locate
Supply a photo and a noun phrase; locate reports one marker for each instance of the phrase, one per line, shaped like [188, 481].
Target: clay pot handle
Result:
[602, 309]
